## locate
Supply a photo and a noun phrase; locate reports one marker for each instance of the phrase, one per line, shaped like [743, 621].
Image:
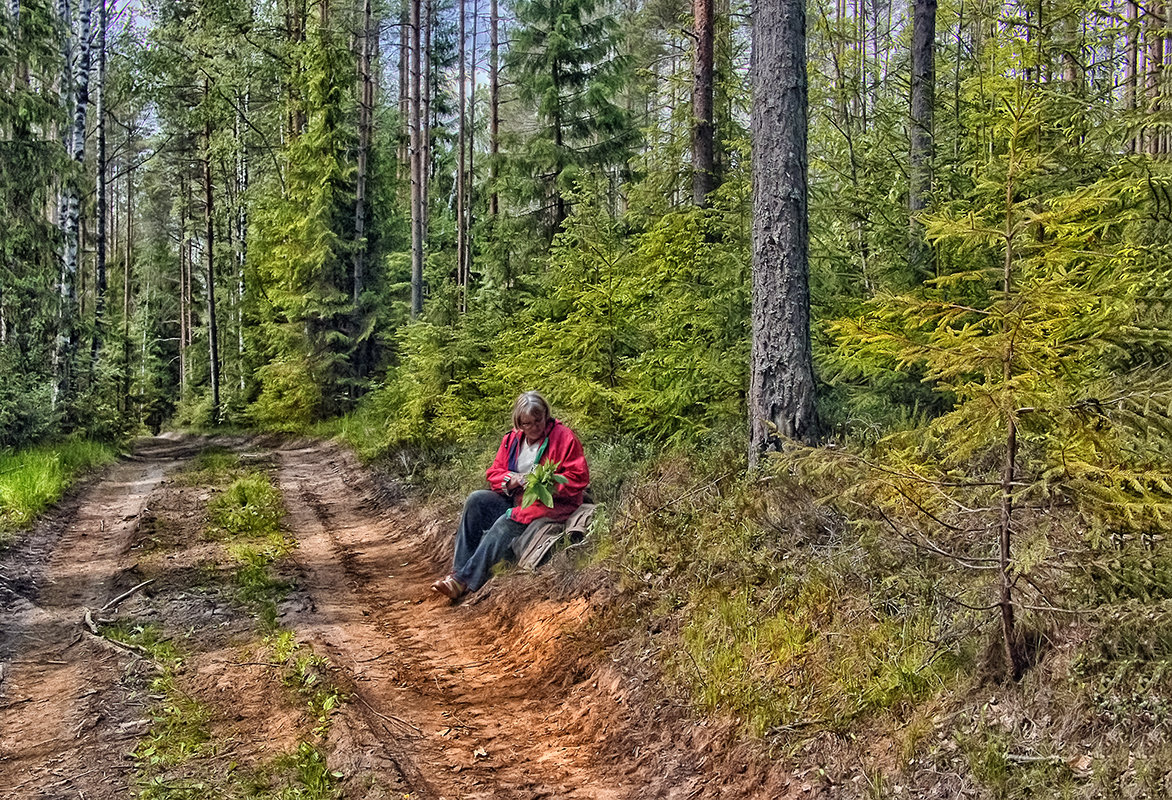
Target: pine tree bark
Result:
[365, 124]
[920, 132]
[781, 386]
[184, 285]
[242, 179]
[703, 129]
[404, 159]
[469, 183]
[430, 89]
[1131, 65]
[1014, 663]
[461, 163]
[494, 101]
[416, 150]
[209, 246]
[127, 266]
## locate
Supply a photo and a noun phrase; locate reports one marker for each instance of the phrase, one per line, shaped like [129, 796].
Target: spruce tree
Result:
[566, 63]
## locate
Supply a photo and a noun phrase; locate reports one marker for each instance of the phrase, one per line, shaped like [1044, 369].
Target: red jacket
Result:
[561, 447]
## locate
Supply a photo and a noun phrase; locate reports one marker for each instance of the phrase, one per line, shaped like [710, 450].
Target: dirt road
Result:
[507, 696]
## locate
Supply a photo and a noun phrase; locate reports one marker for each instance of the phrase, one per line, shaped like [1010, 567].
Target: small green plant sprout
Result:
[541, 484]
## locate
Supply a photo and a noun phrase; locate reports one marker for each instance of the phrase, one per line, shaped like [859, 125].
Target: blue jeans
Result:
[485, 536]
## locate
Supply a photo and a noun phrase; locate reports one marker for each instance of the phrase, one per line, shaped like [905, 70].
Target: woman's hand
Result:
[514, 480]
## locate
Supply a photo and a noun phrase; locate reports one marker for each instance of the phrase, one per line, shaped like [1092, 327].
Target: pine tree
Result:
[781, 382]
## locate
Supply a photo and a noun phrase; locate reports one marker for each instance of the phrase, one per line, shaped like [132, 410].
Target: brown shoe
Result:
[450, 587]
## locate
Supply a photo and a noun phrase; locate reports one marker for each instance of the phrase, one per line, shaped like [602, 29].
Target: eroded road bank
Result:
[178, 690]
[155, 647]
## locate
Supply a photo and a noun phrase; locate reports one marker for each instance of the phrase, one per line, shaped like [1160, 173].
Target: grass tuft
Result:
[34, 478]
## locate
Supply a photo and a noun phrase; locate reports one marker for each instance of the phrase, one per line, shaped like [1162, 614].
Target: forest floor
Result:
[365, 685]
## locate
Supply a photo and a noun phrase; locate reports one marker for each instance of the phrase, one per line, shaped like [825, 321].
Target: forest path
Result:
[467, 717]
[459, 702]
[66, 720]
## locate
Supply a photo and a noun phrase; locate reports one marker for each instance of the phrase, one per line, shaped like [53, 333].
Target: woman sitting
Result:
[493, 518]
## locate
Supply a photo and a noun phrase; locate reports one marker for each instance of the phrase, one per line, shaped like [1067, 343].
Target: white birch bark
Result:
[75, 88]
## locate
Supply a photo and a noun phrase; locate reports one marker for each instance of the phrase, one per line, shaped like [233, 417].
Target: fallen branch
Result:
[114, 603]
[1015, 758]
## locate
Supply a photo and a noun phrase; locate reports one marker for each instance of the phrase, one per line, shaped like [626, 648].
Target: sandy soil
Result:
[512, 694]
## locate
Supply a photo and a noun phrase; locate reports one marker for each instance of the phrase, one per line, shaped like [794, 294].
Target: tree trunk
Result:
[184, 286]
[494, 101]
[76, 78]
[703, 130]
[241, 230]
[209, 241]
[100, 211]
[1013, 658]
[126, 274]
[365, 121]
[1131, 65]
[461, 164]
[416, 148]
[405, 88]
[781, 386]
[469, 175]
[430, 89]
[921, 134]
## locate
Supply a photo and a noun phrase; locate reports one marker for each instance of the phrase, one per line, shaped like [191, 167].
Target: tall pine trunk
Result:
[920, 134]
[429, 89]
[703, 130]
[126, 280]
[461, 163]
[469, 204]
[184, 285]
[416, 151]
[494, 112]
[781, 384]
[365, 123]
[209, 241]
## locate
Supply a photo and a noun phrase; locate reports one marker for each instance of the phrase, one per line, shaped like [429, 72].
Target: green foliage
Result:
[291, 394]
[540, 485]
[34, 478]
[786, 621]
[250, 507]
[32, 164]
[179, 729]
[635, 333]
[247, 517]
[26, 411]
[300, 255]
[781, 666]
[566, 62]
[213, 466]
[1028, 328]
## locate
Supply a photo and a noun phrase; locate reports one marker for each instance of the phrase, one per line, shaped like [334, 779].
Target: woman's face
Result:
[533, 426]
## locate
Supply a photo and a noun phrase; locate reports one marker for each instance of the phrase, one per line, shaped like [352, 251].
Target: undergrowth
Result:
[33, 478]
[178, 758]
[246, 518]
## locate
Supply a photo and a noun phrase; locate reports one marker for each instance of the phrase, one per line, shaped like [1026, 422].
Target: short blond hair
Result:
[532, 404]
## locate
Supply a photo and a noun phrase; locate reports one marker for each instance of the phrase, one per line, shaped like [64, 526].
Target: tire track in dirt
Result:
[456, 710]
[61, 702]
